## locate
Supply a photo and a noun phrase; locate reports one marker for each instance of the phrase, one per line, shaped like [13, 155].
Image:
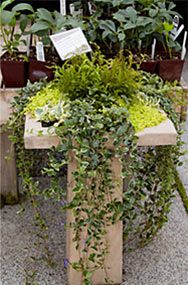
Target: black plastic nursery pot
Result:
[14, 73]
[170, 69]
[39, 70]
[149, 66]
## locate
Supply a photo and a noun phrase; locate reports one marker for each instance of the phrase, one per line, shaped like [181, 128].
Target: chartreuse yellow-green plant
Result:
[93, 92]
[48, 96]
[143, 116]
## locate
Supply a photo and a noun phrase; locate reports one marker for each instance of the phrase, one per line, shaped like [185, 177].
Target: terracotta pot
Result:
[149, 66]
[39, 69]
[170, 69]
[14, 73]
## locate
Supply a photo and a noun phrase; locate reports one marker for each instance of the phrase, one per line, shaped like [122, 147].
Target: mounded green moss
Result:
[144, 116]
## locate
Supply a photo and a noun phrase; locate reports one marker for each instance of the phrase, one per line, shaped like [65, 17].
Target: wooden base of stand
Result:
[8, 176]
[114, 237]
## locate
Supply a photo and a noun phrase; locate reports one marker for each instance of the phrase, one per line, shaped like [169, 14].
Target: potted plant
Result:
[170, 64]
[45, 24]
[101, 106]
[133, 26]
[14, 63]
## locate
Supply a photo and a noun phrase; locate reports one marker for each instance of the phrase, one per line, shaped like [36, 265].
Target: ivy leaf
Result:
[92, 257]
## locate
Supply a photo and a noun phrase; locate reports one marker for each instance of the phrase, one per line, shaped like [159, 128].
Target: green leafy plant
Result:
[117, 25]
[9, 20]
[47, 23]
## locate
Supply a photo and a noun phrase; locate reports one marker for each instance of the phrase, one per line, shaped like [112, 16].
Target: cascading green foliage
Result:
[98, 94]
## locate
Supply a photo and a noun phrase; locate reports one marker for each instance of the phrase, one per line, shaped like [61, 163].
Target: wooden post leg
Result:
[8, 177]
[114, 237]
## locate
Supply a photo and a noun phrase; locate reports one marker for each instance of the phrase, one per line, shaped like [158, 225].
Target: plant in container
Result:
[104, 103]
[130, 25]
[170, 64]
[13, 62]
[45, 24]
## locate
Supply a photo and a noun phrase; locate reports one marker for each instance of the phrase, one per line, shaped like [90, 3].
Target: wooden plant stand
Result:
[163, 134]
[8, 176]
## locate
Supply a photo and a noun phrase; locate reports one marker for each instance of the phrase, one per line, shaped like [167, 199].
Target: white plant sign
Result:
[70, 43]
[63, 7]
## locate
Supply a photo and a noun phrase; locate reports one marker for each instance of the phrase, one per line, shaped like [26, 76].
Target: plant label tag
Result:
[178, 32]
[70, 43]
[63, 7]
[72, 9]
[28, 45]
[40, 51]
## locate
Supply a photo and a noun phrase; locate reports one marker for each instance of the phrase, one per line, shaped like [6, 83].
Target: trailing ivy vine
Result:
[97, 95]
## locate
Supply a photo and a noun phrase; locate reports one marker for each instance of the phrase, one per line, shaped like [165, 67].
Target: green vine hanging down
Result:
[91, 103]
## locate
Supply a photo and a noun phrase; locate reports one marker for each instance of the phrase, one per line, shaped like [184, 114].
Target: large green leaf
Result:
[171, 6]
[23, 7]
[39, 26]
[44, 14]
[107, 25]
[117, 3]
[129, 26]
[153, 12]
[120, 15]
[143, 21]
[60, 20]
[7, 18]
[23, 22]
[4, 4]
[131, 13]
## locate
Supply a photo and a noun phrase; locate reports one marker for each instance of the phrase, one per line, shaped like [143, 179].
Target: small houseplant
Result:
[45, 24]
[170, 64]
[13, 62]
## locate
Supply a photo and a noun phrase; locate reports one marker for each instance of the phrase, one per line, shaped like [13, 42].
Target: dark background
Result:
[182, 8]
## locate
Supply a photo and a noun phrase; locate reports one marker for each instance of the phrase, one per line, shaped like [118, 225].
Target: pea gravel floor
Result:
[163, 262]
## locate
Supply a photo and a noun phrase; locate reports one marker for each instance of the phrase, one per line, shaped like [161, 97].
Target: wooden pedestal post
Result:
[8, 174]
[114, 236]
